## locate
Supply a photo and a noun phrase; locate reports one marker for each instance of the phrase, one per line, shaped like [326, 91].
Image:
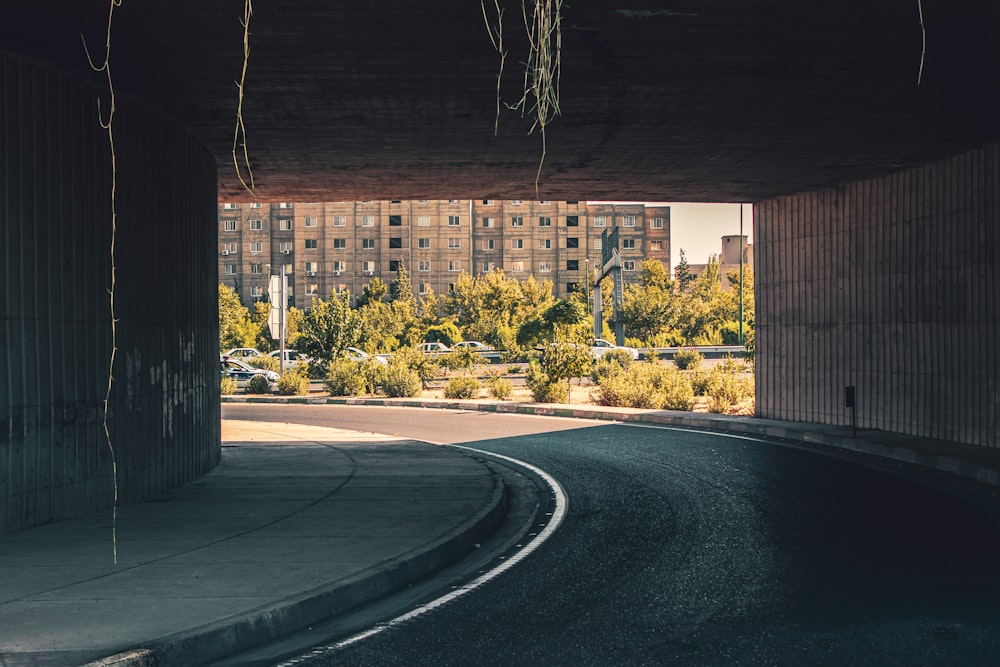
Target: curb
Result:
[237, 634]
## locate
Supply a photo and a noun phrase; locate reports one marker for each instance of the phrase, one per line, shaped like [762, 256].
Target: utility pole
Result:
[742, 342]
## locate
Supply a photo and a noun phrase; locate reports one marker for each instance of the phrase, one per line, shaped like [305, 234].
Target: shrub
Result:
[294, 382]
[543, 388]
[400, 381]
[426, 366]
[258, 384]
[462, 387]
[727, 388]
[609, 362]
[699, 381]
[446, 332]
[267, 363]
[499, 387]
[228, 386]
[344, 378]
[729, 331]
[650, 386]
[688, 358]
[463, 358]
[665, 339]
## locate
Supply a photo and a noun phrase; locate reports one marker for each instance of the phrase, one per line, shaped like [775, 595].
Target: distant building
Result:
[334, 247]
[729, 258]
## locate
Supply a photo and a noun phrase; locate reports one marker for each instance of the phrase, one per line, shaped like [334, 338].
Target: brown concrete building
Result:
[334, 247]
[729, 258]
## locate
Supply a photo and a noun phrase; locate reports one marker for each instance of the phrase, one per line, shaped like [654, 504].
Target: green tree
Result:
[682, 273]
[400, 290]
[236, 327]
[328, 327]
[373, 291]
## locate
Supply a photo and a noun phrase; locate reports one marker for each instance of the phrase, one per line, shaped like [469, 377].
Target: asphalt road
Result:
[684, 548]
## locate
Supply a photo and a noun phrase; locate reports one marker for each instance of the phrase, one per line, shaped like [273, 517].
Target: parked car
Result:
[243, 353]
[435, 348]
[357, 354]
[291, 356]
[242, 373]
[600, 347]
[481, 348]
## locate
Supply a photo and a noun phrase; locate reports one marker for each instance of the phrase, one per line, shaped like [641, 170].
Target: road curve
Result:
[689, 548]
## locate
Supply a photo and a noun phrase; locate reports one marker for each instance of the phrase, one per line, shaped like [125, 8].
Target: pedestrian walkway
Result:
[296, 523]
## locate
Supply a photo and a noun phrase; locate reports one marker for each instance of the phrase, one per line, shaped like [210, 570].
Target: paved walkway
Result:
[298, 523]
[294, 524]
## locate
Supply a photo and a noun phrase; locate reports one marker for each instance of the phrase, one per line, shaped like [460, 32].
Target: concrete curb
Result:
[240, 633]
[980, 464]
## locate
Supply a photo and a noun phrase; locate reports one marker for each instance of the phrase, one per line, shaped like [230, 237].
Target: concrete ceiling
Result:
[670, 100]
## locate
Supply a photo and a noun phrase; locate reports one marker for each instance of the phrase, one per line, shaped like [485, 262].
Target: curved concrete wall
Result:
[889, 285]
[55, 271]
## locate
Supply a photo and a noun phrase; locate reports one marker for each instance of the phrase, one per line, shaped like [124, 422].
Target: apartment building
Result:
[333, 247]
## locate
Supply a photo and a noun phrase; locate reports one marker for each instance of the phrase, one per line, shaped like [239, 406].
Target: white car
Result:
[291, 356]
[600, 347]
[476, 346]
[242, 373]
[435, 348]
[357, 354]
[243, 353]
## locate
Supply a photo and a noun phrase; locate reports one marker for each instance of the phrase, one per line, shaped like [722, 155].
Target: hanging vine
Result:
[240, 133]
[108, 124]
[543, 68]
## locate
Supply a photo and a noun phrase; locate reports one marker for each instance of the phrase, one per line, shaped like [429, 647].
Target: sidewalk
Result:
[296, 523]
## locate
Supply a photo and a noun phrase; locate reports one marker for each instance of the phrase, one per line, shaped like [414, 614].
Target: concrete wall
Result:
[890, 285]
[55, 331]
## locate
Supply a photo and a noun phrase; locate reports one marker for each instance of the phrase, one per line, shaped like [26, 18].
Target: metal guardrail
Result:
[707, 351]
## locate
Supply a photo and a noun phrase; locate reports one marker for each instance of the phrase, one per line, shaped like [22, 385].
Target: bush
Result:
[699, 381]
[462, 387]
[727, 388]
[543, 388]
[228, 386]
[294, 382]
[400, 381]
[426, 366]
[499, 387]
[688, 358]
[267, 363]
[650, 386]
[344, 378]
[610, 362]
[446, 332]
[729, 331]
[258, 384]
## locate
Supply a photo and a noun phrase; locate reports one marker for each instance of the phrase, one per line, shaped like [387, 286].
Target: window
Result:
[656, 246]
[572, 287]
[421, 201]
[454, 265]
[231, 249]
[517, 267]
[454, 243]
[572, 221]
[573, 243]
[311, 244]
[285, 225]
[395, 241]
[368, 268]
[256, 247]
[230, 269]
[257, 291]
[229, 207]
[424, 288]
[544, 267]
[285, 247]
[544, 202]
[657, 223]
[423, 244]
[487, 267]
[572, 265]
[368, 221]
[423, 221]
[423, 266]
[572, 203]
[311, 221]
[516, 202]
[517, 221]
[229, 225]
[544, 221]
[284, 205]
[367, 244]
[516, 244]
[312, 267]
[255, 204]
[488, 202]
[256, 225]
[453, 220]
[340, 244]
[628, 244]
[600, 221]
[289, 269]
[340, 221]
[312, 289]
[338, 267]
[341, 288]
[395, 201]
[489, 244]
[628, 221]
[395, 220]
[394, 265]
[628, 265]
[544, 244]
[487, 222]
[255, 268]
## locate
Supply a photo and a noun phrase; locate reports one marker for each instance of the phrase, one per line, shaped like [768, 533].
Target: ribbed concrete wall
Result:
[889, 285]
[55, 332]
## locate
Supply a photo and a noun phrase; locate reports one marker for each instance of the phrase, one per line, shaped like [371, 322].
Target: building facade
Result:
[729, 259]
[334, 247]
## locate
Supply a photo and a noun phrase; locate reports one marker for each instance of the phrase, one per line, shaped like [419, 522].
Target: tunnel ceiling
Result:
[683, 100]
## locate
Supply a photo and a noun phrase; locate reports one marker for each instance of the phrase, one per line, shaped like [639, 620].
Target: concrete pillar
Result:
[55, 323]
[889, 285]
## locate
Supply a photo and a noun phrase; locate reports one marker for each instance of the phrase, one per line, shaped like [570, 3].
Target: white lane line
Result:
[665, 427]
[558, 513]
